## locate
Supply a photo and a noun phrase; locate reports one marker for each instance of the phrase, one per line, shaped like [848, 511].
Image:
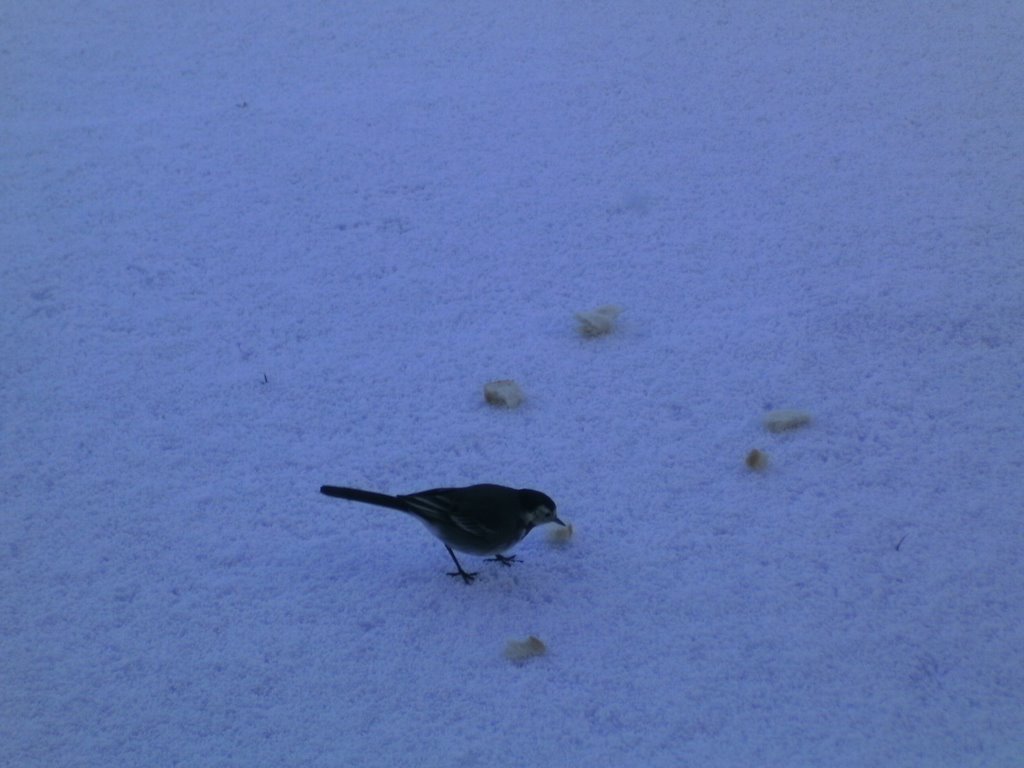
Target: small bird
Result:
[480, 519]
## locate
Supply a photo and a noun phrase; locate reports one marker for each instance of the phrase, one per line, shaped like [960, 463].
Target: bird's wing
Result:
[441, 507]
[472, 525]
[428, 505]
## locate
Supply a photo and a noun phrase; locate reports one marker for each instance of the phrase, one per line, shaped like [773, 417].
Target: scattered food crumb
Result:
[560, 534]
[780, 421]
[504, 393]
[519, 651]
[757, 460]
[598, 322]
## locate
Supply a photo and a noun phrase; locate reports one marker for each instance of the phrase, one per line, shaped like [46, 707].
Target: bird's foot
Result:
[504, 560]
[467, 576]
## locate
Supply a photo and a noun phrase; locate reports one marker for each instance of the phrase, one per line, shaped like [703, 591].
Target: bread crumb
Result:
[560, 535]
[518, 651]
[503, 394]
[783, 420]
[598, 322]
[757, 460]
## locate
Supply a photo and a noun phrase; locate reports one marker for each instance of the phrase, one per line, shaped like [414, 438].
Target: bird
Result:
[483, 519]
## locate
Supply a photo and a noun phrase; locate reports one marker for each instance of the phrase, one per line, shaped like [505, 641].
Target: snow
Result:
[248, 252]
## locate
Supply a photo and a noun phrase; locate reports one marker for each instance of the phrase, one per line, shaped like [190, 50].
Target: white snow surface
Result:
[246, 250]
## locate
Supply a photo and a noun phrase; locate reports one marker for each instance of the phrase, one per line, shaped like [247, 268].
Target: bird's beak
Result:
[556, 520]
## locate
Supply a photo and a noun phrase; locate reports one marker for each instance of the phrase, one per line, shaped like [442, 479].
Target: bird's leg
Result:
[504, 560]
[466, 575]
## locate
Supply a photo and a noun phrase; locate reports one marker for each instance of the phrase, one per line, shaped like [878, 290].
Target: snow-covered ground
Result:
[247, 250]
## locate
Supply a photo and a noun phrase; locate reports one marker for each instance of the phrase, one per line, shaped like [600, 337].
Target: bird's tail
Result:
[367, 497]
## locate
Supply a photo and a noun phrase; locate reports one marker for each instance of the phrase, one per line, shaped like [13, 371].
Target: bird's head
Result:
[538, 508]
